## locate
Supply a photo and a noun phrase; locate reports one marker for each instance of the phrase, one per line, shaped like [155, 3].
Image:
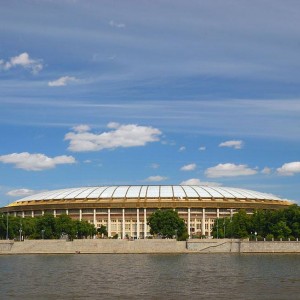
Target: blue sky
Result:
[149, 92]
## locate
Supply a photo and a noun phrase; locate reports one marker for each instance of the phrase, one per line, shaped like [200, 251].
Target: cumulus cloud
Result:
[22, 60]
[20, 193]
[124, 136]
[181, 149]
[289, 169]
[232, 144]
[156, 178]
[266, 170]
[112, 23]
[229, 170]
[196, 181]
[189, 167]
[62, 81]
[202, 148]
[81, 128]
[36, 161]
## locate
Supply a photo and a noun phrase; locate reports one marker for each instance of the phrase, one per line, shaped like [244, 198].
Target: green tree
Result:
[281, 230]
[167, 224]
[46, 227]
[102, 230]
[85, 229]
[2, 226]
[240, 225]
[65, 225]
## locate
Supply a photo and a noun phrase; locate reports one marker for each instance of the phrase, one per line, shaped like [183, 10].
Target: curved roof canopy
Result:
[150, 191]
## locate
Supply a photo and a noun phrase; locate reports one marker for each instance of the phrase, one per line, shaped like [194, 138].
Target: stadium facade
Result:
[124, 209]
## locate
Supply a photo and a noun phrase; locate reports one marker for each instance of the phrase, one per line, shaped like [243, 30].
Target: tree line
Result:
[284, 223]
[269, 224]
[45, 227]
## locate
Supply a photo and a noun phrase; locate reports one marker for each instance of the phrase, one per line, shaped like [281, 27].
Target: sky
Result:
[149, 92]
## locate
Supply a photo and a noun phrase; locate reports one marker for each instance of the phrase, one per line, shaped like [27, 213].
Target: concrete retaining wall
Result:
[213, 245]
[96, 246]
[242, 246]
[146, 246]
[270, 247]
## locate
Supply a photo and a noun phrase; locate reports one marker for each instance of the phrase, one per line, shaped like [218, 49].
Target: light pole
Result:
[217, 228]
[43, 230]
[224, 229]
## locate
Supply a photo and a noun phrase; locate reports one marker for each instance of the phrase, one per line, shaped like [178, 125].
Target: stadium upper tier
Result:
[144, 192]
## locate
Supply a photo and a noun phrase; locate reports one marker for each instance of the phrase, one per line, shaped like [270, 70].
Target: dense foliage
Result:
[167, 224]
[276, 224]
[45, 227]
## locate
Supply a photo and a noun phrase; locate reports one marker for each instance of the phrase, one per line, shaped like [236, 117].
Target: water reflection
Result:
[142, 276]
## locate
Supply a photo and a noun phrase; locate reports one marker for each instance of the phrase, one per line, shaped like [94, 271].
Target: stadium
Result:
[124, 209]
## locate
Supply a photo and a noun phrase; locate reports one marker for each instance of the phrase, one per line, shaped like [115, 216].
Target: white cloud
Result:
[232, 144]
[196, 181]
[20, 193]
[156, 178]
[112, 23]
[229, 170]
[87, 161]
[154, 166]
[266, 170]
[202, 148]
[81, 128]
[125, 136]
[289, 169]
[62, 81]
[189, 167]
[113, 125]
[24, 61]
[181, 149]
[36, 161]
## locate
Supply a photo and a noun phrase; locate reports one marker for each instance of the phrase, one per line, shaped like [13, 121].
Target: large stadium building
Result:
[124, 209]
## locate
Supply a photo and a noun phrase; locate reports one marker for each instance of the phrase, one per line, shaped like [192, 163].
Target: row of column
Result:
[138, 220]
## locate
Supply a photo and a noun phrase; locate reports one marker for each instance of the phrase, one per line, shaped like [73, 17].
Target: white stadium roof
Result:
[150, 191]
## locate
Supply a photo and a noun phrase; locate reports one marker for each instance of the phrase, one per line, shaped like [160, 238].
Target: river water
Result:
[144, 276]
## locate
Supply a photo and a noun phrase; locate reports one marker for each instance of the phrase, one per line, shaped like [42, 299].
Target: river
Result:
[150, 276]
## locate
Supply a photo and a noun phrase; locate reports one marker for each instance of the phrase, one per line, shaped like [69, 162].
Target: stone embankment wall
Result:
[94, 246]
[146, 246]
[242, 246]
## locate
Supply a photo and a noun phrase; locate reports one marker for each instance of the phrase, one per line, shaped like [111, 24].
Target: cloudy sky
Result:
[149, 92]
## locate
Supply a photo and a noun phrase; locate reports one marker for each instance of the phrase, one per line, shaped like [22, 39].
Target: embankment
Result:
[147, 246]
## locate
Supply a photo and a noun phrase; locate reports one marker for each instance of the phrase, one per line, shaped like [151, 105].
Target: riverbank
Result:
[110, 246]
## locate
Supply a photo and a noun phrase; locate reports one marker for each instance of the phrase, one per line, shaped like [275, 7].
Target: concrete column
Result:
[15, 214]
[145, 223]
[80, 214]
[54, 213]
[118, 232]
[108, 223]
[218, 213]
[137, 223]
[67, 212]
[95, 220]
[203, 222]
[123, 223]
[32, 213]
[189, 222]
[23, 214]
[209, 228]
[43, 212]
[231, 213]
[131, 228]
